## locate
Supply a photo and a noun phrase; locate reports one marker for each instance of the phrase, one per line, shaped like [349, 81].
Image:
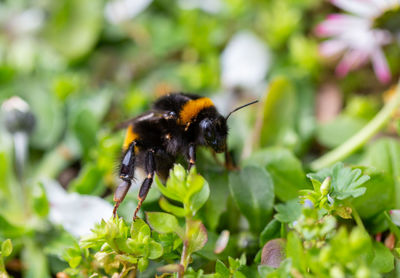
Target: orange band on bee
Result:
[129, 137]
[193, 107]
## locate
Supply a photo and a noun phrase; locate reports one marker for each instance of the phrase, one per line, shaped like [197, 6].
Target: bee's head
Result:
[214, 132]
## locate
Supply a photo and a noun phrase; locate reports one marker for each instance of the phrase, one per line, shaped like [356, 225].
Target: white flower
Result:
[76, 213]
[245, 61]
[395, 215]
[354, 35]
[118, 11]
[209, 6]
[25, 22]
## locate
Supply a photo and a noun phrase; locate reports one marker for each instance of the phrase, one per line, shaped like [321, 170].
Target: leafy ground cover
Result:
[317, 189]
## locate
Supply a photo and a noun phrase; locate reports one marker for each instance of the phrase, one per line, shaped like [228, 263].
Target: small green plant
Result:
[114, 247]
[6, 250]
[192, 191]
[314, 246]
[118, 249]
[333, 187]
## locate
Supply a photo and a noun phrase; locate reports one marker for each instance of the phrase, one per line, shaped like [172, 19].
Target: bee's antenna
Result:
[240, 107]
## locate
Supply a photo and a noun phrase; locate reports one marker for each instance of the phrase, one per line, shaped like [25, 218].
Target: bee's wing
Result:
[152, 116]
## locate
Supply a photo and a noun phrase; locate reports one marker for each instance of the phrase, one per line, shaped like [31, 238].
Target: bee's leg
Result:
[192, 156]
[150, 168]
[229, 163]
[126, 175]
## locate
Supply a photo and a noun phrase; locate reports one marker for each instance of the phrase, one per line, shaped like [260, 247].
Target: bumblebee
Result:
[175, 125]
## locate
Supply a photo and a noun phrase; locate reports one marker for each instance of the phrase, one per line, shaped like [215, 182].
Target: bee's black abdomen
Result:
[173, 102]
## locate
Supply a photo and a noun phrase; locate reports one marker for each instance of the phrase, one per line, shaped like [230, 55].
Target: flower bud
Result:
[18, 116]
[325, 186]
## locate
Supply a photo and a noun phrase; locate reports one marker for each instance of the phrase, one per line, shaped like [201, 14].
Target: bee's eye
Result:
[206, 126]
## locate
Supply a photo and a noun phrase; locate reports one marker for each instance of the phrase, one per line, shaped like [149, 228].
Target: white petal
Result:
[245, 61]
[395, 215]
[336, 24]
[381, 66]
[358, 7]
[351, 60]
[387, 4]
[118, 11]
[331, 47]
[209, 6]
[76, 213]
[27, 21]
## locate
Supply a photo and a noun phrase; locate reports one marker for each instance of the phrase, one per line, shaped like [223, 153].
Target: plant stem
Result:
[357, 218]
[361, 137]
[185, 255]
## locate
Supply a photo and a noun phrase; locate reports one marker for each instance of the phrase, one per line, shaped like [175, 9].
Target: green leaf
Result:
[156, 250]
[222, 270]
[85, 126]
[336, 132]
[246, 271]
[6, 248]
[5, 183]
[196, 236]
[50, 121]
[288, 212]
[139, 228]
[90, 180]
[143, 264]
[271, 231]
[34, 260]
[217, 201]
[174, 186]
[379, 195]
[59, 242]
[192, 190]
[294, 250]
[282, 271]
[253, 191]
[163, 223]
[74, 261]
[199, 191]
[40, 202]
[74, 26]
[384, 155]
[279, 115]
[168, 207]
[285, 169]
[383, 259]
[345, 181]
[8, 229]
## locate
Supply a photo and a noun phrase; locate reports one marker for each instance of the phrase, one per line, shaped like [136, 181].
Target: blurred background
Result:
[81, 67]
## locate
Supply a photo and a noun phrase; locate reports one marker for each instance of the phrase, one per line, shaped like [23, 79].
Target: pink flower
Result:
[354, 37]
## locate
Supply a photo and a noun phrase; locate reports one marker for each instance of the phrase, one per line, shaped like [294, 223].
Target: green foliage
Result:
[164, 223]
[345, 182]
[119, 248]
[285, 169]
[288, 212]
[6, 249]
[74, 27]
[332, 186]
[384, 156]
[253, 191]
[191, 190]
[279, 115]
